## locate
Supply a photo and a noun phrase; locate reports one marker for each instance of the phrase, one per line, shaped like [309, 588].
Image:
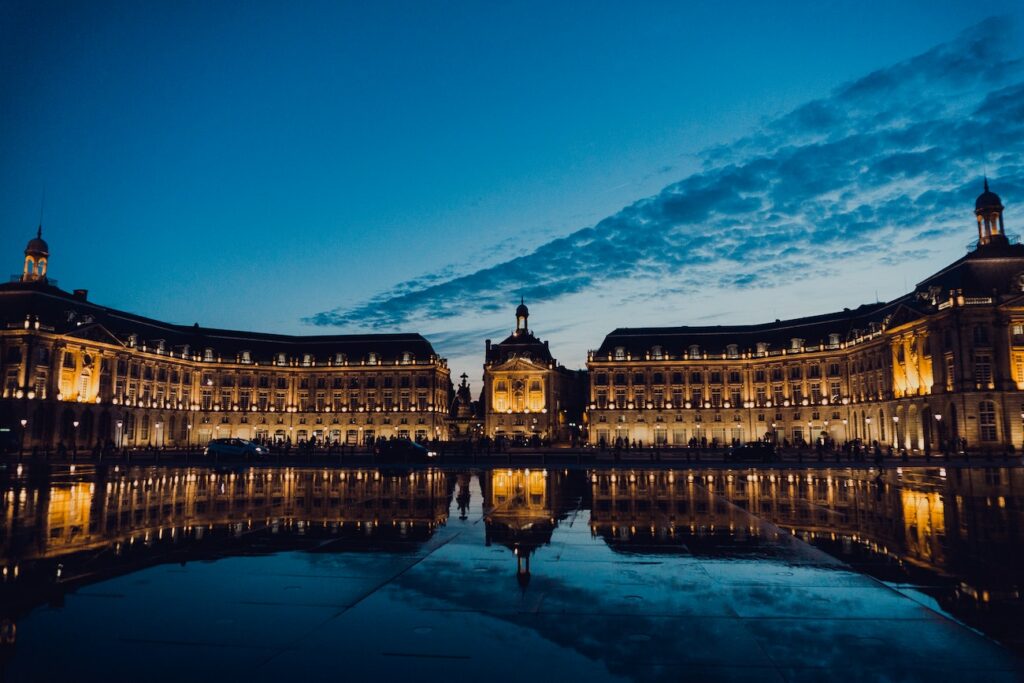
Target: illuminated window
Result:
[987, 421]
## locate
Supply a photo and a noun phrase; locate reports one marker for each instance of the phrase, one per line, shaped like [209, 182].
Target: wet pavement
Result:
[511, 574]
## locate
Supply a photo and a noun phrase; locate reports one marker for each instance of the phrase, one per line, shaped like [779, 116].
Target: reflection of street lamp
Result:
[23, 430]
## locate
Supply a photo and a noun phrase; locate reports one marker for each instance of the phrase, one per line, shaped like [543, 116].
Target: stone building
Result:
[940, 365]
[526, 392]
[77, 373]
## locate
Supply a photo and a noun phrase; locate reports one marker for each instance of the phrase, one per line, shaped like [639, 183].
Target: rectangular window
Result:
[987, 421]
[983, 370]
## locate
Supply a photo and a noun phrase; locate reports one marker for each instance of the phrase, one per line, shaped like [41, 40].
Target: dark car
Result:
[404, 450]
[234, 448]
[757, 451]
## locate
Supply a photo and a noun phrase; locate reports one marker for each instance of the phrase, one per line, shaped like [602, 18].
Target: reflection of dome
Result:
[37, 245]
[987, 200]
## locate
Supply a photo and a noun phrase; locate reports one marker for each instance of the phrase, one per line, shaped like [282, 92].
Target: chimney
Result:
[487, 344]
[82, 294]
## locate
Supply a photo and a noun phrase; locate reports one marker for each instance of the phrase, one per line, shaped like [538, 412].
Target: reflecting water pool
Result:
[168, 573]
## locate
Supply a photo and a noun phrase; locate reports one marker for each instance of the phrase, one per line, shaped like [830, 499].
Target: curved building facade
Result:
[938, 368]
[80, 374]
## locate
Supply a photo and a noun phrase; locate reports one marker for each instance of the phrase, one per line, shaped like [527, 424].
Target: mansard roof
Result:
[521, 345]
[67, 313]
[716, 339]
[988, 269]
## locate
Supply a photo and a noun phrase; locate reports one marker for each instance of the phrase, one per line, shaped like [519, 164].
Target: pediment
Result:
[519, 363]
[94, 332]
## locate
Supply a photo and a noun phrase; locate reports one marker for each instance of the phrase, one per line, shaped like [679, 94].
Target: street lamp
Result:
[159, 442]
[896, 430]
[23, 430]
[74, 439]
[119, 433]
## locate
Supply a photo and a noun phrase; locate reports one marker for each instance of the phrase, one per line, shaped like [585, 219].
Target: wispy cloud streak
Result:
[883, 165]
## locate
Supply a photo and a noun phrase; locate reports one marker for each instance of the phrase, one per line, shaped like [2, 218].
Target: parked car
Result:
[757, 451]
[235, 448]
[404, 450]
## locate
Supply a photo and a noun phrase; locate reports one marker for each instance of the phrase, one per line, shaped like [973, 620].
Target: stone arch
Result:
[85, 429]
[914, 439]
[67, 425]
[103, 429]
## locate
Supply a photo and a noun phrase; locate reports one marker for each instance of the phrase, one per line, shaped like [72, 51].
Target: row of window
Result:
[760, 375]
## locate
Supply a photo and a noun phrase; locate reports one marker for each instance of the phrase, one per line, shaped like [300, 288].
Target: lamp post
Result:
[188, 438]
[74, 439]
[21, 450]
[867, 421]
[896, 431]
[120, 423]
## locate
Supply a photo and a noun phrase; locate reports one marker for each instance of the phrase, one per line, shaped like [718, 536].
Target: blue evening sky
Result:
[319, 167]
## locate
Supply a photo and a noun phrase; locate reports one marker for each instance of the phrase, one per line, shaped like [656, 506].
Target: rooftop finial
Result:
[986, 182]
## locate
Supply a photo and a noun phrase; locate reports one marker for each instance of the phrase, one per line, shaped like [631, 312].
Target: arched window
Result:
[620, 353]
[83, 386]
[987, 421]
[694, 351]
[732, 351]
[208, 355]
[656, 353]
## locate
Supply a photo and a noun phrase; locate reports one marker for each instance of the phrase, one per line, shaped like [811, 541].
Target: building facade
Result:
[79, 374]
[939, 367]
[526, 393]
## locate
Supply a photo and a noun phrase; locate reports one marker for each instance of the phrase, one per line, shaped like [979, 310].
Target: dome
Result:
[987, 200]
[522, 311]
[37, 245]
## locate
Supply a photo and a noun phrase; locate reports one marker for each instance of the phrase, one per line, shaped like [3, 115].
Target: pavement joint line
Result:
[374, 589]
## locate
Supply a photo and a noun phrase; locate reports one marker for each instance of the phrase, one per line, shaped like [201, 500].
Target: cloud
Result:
[883, 165]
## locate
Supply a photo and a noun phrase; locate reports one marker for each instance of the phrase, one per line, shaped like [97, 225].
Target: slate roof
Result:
[66, 313]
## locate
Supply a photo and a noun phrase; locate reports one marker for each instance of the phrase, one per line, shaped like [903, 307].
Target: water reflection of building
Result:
[520, 510]
[93, 526]
[960, 526]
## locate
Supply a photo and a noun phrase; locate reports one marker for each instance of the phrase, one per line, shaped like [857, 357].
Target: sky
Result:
[315, 168]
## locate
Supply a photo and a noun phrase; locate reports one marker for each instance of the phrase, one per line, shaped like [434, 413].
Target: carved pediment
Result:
[519, 363]
[94, 332]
